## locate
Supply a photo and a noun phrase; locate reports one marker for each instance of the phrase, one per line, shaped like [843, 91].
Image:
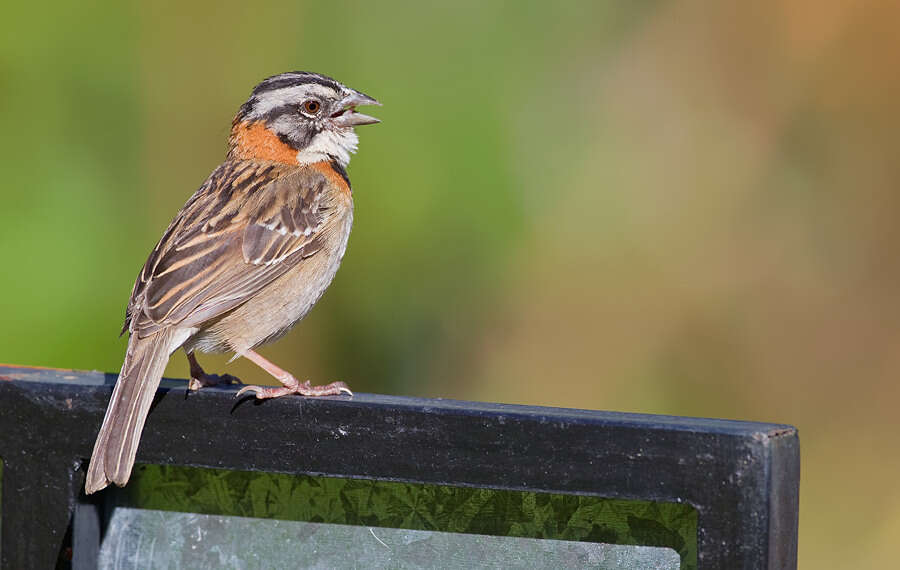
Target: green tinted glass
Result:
[415, 506]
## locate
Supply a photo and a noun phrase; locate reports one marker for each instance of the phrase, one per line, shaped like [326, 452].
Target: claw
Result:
[244, 390]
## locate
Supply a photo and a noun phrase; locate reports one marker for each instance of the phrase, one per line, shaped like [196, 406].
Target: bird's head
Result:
[299, 118]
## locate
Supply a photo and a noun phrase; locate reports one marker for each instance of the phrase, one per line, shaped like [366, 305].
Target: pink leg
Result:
[291, 385]
[200, 379]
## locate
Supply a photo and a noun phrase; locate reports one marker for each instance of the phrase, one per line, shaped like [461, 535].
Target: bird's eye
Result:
[312, 106]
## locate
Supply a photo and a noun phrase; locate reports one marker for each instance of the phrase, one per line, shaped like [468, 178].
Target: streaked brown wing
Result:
[248, 225]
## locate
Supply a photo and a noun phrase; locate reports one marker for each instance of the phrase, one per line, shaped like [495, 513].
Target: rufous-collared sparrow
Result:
[247, 256]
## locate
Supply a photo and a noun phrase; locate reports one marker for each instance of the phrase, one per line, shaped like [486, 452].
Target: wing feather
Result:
[246, 226]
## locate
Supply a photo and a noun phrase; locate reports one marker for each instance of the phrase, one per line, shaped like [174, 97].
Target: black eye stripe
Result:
[286, 109]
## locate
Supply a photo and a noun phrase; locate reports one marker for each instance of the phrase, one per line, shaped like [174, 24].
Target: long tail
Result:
[117, 442]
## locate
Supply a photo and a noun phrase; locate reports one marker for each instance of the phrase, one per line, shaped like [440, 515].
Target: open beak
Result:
[347, 115]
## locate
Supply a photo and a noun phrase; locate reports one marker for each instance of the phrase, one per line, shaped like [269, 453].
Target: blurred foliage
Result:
[676, 207]
[415, 507]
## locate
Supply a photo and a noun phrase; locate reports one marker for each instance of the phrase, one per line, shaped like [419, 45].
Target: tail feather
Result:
[117, 442]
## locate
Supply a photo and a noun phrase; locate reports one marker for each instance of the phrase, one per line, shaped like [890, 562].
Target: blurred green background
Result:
[667, 207]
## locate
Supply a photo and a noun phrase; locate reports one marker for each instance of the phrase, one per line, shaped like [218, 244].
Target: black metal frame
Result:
[742, 477]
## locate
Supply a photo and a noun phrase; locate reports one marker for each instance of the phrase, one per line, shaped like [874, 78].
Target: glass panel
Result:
[413, 506]
[140, 538]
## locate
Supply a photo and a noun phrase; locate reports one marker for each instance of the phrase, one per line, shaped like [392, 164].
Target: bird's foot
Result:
[205, 380]
[200, 379]
[292, 386]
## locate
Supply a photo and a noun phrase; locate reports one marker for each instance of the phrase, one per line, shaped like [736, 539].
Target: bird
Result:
[245, 259]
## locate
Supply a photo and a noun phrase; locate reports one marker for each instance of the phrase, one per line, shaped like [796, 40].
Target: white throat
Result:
[328, 144]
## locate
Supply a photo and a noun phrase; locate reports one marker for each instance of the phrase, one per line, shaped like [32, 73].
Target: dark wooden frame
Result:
[742, 477]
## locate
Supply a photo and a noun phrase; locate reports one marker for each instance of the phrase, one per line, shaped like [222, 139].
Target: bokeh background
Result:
[667, 207]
